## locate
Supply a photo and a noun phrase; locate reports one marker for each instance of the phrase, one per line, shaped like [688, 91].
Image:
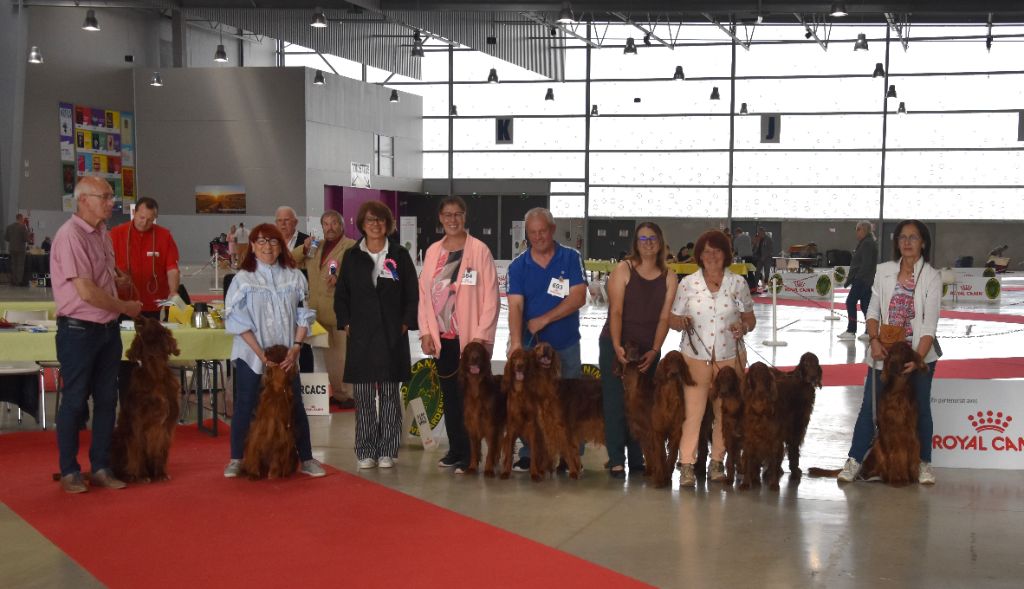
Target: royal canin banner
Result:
[978, 424]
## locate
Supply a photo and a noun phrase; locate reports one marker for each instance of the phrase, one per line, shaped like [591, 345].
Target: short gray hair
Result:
[286, 208]
[864, 225]
[336, 215]
[540, 212]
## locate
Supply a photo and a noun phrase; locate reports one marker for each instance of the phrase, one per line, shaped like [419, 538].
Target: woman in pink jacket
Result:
[458, 304]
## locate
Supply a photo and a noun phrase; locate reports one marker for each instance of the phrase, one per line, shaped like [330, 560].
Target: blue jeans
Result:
[859, 293]
[864, 429]
[248, 388]
[572, 367]
[618, 439]
[89, 359]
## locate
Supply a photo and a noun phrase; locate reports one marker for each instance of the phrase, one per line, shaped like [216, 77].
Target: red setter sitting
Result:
[270, 446]
[728, 388]
[484, 405]
[521, 414]
[796, 402]
[149, 411]
[895, 455]
[762, 440]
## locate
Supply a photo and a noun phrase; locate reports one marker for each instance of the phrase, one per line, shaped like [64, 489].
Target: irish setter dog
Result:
[521, 414]
[655, 410]
[583, 409]
[728, 389]
[149, 411]
[895, 455]
[484, 405]
[270, 450]
[796, 402]
[543, 376]
[762, 440]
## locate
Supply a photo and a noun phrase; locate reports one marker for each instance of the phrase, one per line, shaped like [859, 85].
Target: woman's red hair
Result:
[269, 231]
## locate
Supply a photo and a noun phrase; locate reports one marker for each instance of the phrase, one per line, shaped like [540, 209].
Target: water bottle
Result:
[315, 243]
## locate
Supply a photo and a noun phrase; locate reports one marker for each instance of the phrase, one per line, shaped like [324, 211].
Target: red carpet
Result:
[842, 375]
[204, 530]
[945, 314]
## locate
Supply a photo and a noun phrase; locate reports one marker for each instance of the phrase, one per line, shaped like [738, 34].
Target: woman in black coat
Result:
[375, 303]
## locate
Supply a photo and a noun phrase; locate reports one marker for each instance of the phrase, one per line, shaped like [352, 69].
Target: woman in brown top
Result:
[640, 294]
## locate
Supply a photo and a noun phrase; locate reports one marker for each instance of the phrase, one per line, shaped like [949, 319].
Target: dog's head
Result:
[274, 376]
[673, 368]
[900, 353]
[545, 360]
[475, 360]
[727, 384]
[760, 393]
[152, 340]
[515, 369]
[809, 370]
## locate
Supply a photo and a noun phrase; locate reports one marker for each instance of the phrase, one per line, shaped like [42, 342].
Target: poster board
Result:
[97, 142]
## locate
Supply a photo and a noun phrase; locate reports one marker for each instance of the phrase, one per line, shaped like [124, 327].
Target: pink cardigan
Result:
[476, 307]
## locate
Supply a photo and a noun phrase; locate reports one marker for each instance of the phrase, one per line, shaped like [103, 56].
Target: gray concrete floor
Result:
[814, 532]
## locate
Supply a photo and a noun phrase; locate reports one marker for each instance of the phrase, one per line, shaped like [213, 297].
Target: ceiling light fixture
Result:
[156, 80]
[34, 56]
[593, 111]
[743, 108]
[892, 91]
[679, 75]
[861, 44]
[454, 111]
[90, 24]
[565, 15]
[902, 110]
[394, 96]
[988, 42]
[492, 77]
[630, 48]
[879, 71]
[550, 95]
[318, 79]
[220, 55]
[647, 39]
[319, 19]
[714, 94]
[808, 34]
[839, 10]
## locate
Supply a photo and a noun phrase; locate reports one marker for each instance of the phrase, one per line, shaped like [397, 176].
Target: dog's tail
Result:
[824, 472]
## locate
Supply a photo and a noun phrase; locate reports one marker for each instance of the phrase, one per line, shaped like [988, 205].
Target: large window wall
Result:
[662, 148]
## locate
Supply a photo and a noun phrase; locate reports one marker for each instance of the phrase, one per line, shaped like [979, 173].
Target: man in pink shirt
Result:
[88, 339]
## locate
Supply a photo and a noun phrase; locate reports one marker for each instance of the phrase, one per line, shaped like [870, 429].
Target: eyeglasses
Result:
[372, 220]
[265, 241]
[651, 239]
[452, 216]
[108, 196]
[908, 238]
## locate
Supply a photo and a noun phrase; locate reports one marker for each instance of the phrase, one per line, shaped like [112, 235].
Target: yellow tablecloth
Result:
[195, 344]
[607, 266]
[49, 306]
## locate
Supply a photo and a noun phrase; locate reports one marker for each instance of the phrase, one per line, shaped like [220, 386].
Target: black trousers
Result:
[454, 419]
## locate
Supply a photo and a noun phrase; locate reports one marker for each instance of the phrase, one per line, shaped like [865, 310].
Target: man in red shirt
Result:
[147, 253]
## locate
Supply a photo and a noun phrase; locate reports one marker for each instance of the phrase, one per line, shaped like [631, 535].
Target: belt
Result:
[72, 322]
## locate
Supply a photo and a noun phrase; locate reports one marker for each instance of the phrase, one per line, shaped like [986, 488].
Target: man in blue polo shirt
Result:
[546, 289]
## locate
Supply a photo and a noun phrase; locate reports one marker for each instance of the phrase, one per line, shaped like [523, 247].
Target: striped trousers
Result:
[378, 419]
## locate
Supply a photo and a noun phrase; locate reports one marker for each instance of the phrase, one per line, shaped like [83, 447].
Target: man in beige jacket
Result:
[323, 265]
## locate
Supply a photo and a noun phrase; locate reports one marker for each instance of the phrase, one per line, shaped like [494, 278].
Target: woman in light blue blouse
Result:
[262, 310]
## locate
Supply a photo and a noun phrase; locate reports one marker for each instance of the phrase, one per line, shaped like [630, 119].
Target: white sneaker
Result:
[925, 476]
[312, 468]
[386, 462]
[846, 336]
[233, 469]
[367, 463]
[864, 336]
[850, 471]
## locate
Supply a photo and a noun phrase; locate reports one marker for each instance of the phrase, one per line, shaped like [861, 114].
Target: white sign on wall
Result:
[978, 424]
[407, 235]
[316, 393]
[360, 175]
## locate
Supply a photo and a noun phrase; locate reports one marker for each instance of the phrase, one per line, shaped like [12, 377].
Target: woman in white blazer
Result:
[906, 293]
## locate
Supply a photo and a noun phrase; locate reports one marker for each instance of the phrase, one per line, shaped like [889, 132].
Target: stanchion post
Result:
[215, 260]
[774, 342]
[832, 299]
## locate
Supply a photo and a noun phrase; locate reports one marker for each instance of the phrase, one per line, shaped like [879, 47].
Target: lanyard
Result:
[152, 285]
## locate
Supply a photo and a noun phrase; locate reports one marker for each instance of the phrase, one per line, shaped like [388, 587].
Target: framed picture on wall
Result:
[215, 199]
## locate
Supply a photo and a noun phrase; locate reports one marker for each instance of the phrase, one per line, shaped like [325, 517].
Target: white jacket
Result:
[927, 299]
